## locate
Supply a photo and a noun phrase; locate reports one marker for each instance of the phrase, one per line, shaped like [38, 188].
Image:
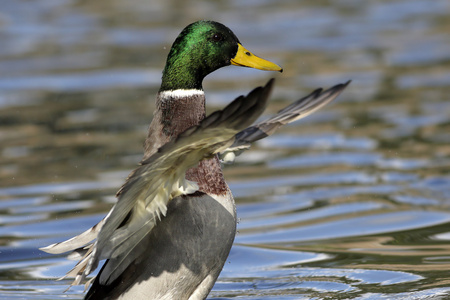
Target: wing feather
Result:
[143, 199]
[295, 111]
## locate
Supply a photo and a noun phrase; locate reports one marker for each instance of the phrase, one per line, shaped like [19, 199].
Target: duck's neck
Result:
[184, 69]
[176, 111]
[179, 76]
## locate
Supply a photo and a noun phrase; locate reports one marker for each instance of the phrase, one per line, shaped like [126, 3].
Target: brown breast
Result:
[174, 115]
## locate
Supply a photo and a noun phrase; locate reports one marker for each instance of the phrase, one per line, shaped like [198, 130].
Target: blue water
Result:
[349, 203]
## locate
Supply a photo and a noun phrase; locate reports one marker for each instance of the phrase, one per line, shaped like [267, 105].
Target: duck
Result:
[173, 225]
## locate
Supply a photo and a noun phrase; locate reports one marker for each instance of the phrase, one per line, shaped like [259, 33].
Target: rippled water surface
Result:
[350, 203]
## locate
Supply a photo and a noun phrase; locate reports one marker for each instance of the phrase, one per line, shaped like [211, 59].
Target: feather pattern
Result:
[143, 199]
[295, 111]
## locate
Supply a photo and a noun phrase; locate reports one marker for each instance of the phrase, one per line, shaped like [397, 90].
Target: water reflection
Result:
[350, 203]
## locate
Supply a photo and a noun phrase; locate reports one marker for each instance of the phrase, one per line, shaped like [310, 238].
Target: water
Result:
[350, 203]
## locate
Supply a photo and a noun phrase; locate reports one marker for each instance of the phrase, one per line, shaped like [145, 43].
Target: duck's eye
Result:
[217, 37]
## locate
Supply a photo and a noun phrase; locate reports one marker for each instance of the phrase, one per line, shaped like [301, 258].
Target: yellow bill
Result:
[245, 58]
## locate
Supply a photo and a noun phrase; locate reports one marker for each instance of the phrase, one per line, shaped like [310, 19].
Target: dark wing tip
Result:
[336, 90]
[340, 86]
[244, 110]
[344, 85]
[269, 84]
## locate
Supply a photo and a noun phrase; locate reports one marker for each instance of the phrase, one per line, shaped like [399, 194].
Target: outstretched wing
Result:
[148, 189]
[295, 111]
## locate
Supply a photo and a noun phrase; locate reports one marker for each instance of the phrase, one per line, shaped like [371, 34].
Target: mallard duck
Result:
[172, 228]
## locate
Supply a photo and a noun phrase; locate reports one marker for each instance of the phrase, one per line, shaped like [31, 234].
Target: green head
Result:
[201, 48]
